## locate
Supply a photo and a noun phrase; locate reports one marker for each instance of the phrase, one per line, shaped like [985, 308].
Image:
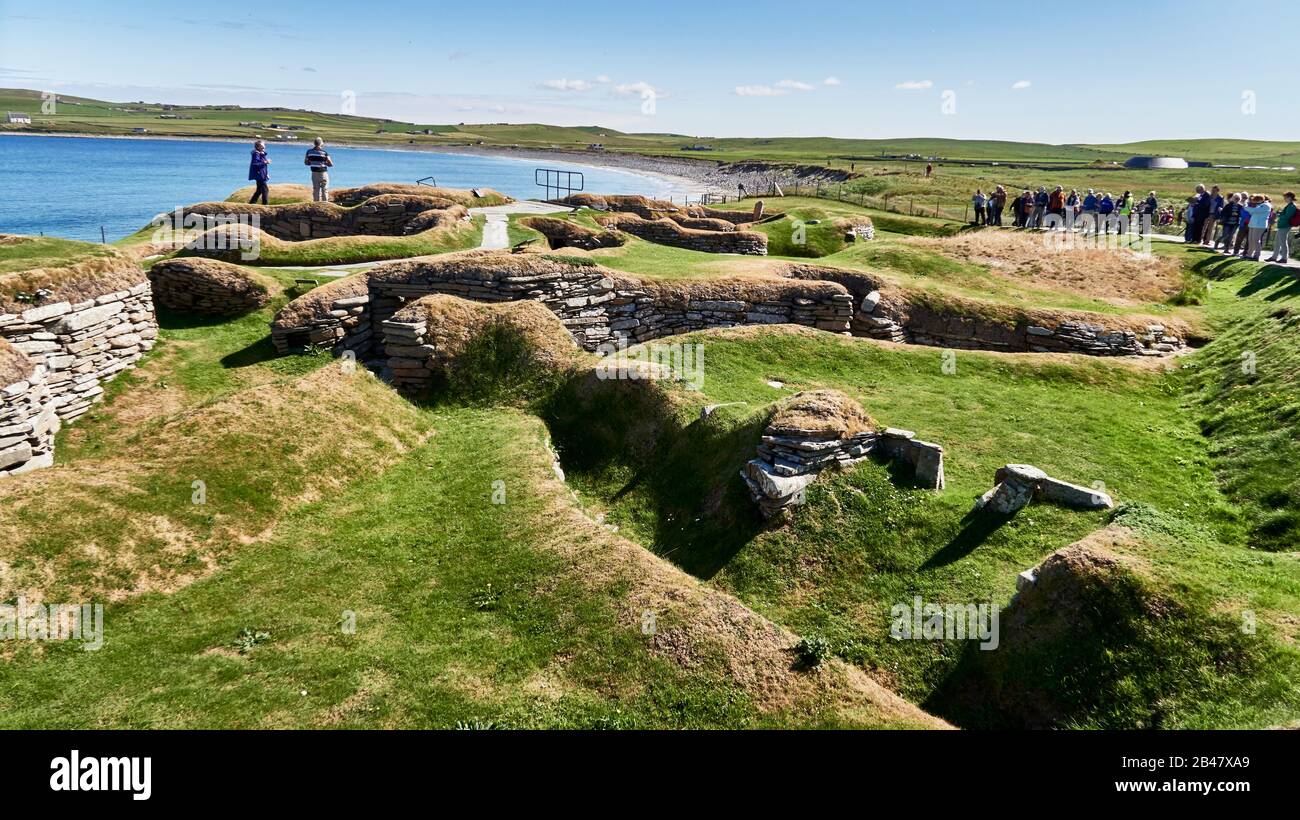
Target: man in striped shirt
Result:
[318, 159]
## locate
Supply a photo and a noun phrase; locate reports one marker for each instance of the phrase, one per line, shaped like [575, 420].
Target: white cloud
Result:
[602, 78]
[641, 88]
[794, 85]
[760, 91]
[832, 81]
[1021, 85]
[567, 85]
[915, 85]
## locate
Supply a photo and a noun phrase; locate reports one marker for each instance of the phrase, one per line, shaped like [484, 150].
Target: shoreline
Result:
[689, 176]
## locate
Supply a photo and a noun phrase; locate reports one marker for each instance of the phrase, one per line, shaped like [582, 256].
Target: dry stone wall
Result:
[208, 286]
[385, 215]
[597, 306]
[84, 344]
[667, 232]
[28, 420]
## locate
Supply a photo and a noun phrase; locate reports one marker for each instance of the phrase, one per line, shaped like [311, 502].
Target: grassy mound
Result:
[286, 193]
[1243, 391]
[866, 540]
[485, 198]
[208, 286]
[495, 353]
[1096, 642]
[820, 414]
[279, 193]
[69, 271]
[564, 233]
[122, 521]
[231, 243]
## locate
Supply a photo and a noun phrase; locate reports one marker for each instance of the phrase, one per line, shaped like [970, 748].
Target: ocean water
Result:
[73, 186]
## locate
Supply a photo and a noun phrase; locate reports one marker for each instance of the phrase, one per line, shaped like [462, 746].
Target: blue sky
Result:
[1108, 73]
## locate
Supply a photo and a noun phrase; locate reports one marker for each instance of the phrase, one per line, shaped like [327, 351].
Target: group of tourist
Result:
[1235, 223]
[1242, 221]
[317, 159]
[1032, 209]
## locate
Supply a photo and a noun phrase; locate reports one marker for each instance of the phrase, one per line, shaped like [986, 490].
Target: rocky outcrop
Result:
[207, 286]
[823, 429]
[1016, 485]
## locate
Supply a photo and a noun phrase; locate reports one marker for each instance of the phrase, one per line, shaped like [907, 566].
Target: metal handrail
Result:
[555, 174]
[432, 183]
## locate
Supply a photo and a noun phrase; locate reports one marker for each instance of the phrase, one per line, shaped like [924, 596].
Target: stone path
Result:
[495, 234]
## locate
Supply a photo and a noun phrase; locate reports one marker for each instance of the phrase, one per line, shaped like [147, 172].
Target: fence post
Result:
[911, 207]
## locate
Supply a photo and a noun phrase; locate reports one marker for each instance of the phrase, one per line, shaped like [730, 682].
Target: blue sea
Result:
[73, 186]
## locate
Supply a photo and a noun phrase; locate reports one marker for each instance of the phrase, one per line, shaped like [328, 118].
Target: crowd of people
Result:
[1237, 223]
[1234, 223]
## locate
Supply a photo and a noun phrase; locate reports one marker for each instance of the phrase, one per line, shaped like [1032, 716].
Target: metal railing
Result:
[557, 180]
[429, 181]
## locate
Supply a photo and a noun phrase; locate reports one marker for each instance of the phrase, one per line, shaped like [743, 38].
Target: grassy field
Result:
[1209, 514]
[331, 501]
[84, 115]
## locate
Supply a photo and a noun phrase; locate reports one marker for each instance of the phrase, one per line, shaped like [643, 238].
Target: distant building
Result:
[140, 130]
[18, 118]
[1157, 163]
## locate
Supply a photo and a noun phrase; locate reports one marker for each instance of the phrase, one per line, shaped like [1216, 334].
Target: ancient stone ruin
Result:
[598, 306]
[1016, 485]
[76, 327]
[821, 429]
[207, 286]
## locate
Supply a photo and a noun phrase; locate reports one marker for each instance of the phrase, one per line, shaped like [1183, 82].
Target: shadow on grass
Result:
[258, 352]
[977, 526]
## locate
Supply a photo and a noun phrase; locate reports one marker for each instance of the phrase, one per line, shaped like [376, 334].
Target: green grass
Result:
[459, 618]
[43, 251]
[866, 540]
[1243, 390]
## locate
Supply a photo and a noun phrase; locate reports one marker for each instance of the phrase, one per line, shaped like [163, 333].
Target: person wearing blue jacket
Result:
[1106, 207]
[1090, 212]
[259, 171]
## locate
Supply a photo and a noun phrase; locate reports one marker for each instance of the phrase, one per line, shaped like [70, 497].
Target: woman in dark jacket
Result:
[259, 171]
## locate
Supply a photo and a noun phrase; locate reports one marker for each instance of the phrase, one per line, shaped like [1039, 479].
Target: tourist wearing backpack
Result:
[1286, 220]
